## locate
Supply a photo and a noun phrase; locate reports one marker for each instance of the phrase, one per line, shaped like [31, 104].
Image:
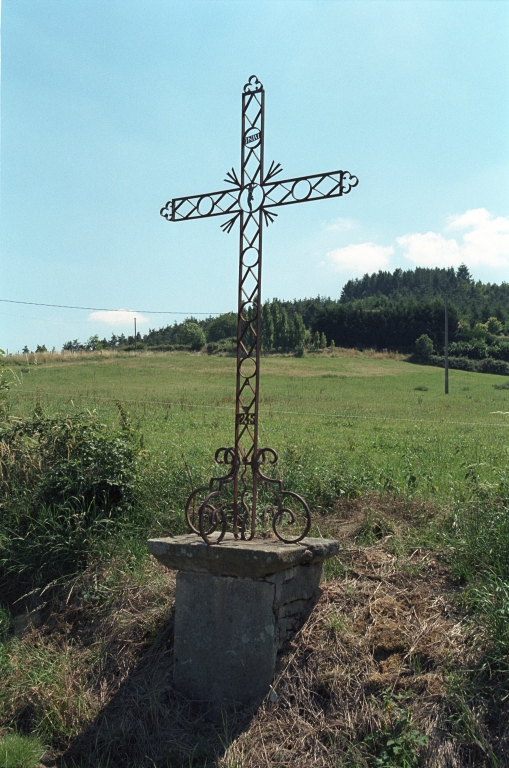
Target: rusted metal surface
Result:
[245, 496]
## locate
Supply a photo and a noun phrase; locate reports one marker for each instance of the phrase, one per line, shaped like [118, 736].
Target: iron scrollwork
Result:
[233, 500]
[209, 512]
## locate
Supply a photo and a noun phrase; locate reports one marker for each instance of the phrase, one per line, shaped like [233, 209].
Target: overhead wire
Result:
[333, 414]
[104, 309]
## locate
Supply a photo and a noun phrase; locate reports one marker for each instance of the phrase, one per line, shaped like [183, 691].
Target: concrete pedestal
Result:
[236, 605]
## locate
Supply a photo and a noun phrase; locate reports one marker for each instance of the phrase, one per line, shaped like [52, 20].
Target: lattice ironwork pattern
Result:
[245, 496]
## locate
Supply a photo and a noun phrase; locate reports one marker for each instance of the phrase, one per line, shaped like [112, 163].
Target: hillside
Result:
[385, 310]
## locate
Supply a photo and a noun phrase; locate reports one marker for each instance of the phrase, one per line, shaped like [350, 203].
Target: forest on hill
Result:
[385, 310]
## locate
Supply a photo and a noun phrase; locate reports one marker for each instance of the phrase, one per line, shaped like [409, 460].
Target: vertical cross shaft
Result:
[249, 305]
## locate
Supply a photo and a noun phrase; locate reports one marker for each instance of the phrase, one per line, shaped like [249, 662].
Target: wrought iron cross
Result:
[237, 495]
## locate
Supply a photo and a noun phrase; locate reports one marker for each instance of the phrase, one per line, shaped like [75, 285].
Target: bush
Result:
[489, 365]
[479, 331]
[222, 346]
[460, 348]
[494, 366]
[499, 350]
[424, 346]
[478, 350]
[66, 484]
[459, 363]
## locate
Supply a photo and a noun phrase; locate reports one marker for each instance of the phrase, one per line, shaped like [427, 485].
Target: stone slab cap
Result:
[233, 557]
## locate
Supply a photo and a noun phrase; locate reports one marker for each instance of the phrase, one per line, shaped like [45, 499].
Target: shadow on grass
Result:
[148, 724]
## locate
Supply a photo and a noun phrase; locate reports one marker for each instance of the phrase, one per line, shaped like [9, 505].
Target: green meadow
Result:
[100, 450]
[341, 424]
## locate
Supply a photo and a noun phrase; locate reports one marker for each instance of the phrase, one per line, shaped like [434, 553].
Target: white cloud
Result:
[117, 317]
[486, 243]
[361, 258]
[341, 225]
[431, 250]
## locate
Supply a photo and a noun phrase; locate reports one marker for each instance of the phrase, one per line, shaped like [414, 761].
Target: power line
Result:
[104, 309]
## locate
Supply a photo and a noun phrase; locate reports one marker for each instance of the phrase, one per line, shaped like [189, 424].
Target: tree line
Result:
[475, 301]
[384, 310]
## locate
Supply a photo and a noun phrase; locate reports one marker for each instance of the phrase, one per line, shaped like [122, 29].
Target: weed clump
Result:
[18, 751]
[66, 484]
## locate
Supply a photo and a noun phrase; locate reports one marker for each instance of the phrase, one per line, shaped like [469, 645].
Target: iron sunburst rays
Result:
[268, 218]
[228, 225]
[233, 179]
[274, 169]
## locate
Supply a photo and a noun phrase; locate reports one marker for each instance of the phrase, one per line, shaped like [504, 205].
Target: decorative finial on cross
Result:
[236, 496]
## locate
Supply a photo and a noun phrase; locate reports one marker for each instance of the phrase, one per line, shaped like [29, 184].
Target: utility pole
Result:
[446, 345]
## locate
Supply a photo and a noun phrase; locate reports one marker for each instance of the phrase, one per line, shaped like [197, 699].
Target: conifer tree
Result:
[299, 331]
[267, 330]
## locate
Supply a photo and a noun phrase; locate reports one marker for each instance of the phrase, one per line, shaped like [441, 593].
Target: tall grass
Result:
[20, 751]
[481, 561]
[67, 485]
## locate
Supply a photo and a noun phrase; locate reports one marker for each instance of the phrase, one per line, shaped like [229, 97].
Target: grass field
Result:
[404, 660]
[371, 421]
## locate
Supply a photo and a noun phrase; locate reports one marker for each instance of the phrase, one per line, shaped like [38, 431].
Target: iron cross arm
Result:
[254, 197]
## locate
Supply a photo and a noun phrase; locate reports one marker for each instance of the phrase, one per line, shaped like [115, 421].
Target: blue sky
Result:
[111, 107]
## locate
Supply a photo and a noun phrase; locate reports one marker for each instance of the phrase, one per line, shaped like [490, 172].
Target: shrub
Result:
[65, 460]
[478, 350]
[424, 346]
[499, 350]
[221, 346]
[66, 484]
[459, 363]
[494, 366]
[462, 364]
[480, 331]
[460, 348]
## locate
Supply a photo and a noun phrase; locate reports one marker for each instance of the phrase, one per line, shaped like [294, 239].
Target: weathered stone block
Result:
[225, 647]
[234, 557]
[236, 605]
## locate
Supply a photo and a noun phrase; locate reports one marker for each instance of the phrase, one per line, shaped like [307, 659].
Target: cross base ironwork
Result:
[210, 508]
